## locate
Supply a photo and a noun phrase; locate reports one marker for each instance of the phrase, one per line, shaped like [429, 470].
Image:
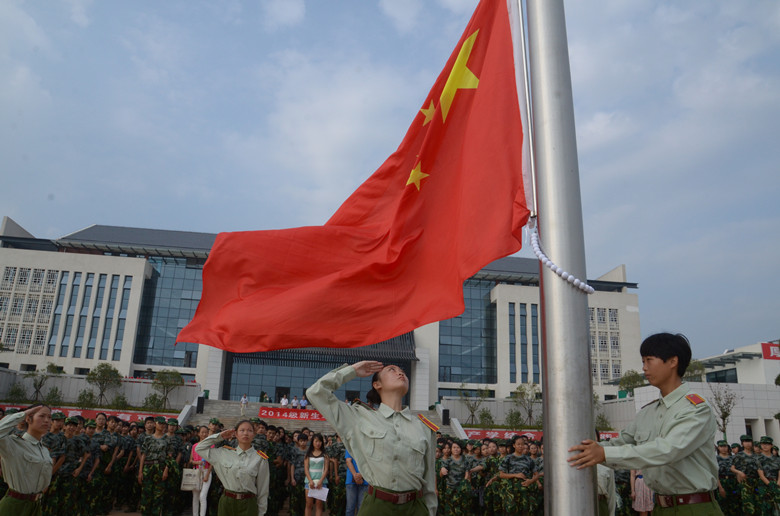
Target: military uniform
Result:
[516, 497]
[26, 465]
[730, 503]
[623, 486]
[296, 458]
[88, 497]
[156, 453]
[395, 450]
[747, 463]
[244, 475]
[670, 440]
[337, 499]
[492, 497]
[69, 489]
[769, 493]
[55, 443]
[458, 492]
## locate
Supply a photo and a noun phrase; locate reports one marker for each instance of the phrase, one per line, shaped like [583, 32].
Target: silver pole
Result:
[568, 399]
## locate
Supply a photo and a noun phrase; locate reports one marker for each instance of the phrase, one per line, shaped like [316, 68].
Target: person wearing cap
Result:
[243, 471]
[173, 483]
[518, 472]
[68, 464]
[26, 462]
[153, 469]
[728, 489]
[735, 448]
[395, 450]
[670, 439]
[745, 466]
[89, 494]
[337, 499]
[456, 470]
[769, 488]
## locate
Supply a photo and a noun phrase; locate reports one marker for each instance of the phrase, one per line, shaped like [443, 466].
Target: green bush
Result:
[53, 397]
[514, 419]
[120, 402]
[485, 417]
[86, 400]
[17, 393]
[154, 402]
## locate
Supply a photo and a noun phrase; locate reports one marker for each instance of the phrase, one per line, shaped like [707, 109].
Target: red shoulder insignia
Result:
[695, 399]
[263, 455]
[226, 447]
[427, 422]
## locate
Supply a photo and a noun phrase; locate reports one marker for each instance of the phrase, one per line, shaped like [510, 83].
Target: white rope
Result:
[551, 265]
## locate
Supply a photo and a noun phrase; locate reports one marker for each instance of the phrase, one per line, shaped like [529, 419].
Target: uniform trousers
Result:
[14, 507]
[232, 507]
[710, 508]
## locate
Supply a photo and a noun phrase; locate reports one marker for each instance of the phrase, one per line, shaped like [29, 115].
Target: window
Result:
[512, 345]
[44, 314]
[603, 346]
[613, 319]
[51, 282]
[604, 371]
[594, 371]
[614, 344]
[5, 301]
[9, 341]
[592, 343]
[16, 308]
[592, 313]
[24, 277]
[601, 314]
[31, 309]
[39, 342]
[28, 367]
[37, 280]
[81, 371]
[25, 339]
[9, 274]
[616, 372]
[723, 376]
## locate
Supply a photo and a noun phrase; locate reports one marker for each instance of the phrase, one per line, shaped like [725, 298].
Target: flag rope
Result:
[578, 283]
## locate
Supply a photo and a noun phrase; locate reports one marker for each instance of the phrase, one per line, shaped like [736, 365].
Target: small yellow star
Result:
[428, 112]
[416, 176]
[460, 76]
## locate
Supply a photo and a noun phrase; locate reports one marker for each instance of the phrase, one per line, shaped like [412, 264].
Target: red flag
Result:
[395, 255]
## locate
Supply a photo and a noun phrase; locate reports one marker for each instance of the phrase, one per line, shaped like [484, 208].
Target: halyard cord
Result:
[551, 265]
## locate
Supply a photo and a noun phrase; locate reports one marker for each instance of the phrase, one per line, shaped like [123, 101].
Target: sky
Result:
[211, 116]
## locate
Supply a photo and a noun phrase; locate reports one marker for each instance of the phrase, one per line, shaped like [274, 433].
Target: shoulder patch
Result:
[361, 403]
[695, 399]
[263, 455]
[648, 404]
[226, 447]
[427, 422]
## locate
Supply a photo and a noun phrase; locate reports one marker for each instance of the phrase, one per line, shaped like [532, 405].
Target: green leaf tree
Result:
[695, 372]
[165, 382]
[525, 397]
[39, 379]
[472, 403]
[630, 380]
[105, 377]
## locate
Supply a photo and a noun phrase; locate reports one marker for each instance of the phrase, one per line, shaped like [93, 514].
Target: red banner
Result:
[91, 414]
[287, 413]
[771, 350]
[481, 433]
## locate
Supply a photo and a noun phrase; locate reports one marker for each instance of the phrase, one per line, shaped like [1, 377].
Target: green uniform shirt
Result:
[240, 471]
[456, 469]
[770, 466]
[26, 462]
[514, 464]
[671, 441]
[395, 450]
[746, 463]
[156, 449]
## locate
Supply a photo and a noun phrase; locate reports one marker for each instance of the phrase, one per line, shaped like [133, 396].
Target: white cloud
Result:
[78, 12]
[459, 6]
[405, 14]
[282, 13]
[604, 128]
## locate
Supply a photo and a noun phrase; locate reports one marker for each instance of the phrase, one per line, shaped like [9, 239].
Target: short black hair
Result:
[666, 346]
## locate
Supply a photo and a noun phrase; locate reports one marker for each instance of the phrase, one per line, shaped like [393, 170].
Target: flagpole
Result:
[566, 382]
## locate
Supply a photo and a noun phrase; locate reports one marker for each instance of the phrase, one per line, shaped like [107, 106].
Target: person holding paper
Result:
[315, 466]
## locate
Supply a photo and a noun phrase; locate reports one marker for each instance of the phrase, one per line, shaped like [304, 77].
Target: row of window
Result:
[601, 371]
[29, 279]
[604, 317]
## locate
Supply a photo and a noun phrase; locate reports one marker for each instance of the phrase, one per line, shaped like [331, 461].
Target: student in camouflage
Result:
[519, 471]
[493, 503]
[54, 441]
[745, 466]
[69, 462]
[456, 470]
[728, 489]
[769, 488]
[337, 497]
[89, 493]
[298, 476]
[156, 452]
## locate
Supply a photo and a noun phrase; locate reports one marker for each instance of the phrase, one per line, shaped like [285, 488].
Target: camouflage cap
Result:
[58, 415]
[723, 443]
[214, 421]
[159, 419]
[254, 419]
[745, 437]
[766, 440]
[71, 421]
[90, 423]
[173, 421]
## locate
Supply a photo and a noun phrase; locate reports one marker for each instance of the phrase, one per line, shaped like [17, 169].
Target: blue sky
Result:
[236, 115]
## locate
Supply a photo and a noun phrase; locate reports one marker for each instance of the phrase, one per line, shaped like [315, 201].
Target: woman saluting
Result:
[26, 461]
[395, 449]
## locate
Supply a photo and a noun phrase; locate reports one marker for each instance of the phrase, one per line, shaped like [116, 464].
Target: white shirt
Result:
[284, 401]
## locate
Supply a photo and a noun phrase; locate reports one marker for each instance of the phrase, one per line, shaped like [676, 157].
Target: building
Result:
[121, 295]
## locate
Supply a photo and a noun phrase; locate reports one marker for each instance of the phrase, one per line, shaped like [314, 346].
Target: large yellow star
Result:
[460, 76]
[416, 176]
[428, 112]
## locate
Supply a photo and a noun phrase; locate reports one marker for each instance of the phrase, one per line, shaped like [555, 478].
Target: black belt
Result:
[34, 497]
[396, 498]
[238, 496]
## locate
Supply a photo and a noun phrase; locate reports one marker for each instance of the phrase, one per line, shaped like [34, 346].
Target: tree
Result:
[486, 418]
[723, 402]
[472, 402]
[631, 380]
[166, 381]
[39, 379]
[514, 419]
[105, 377]
[600, 419]
[695, 372]
[525, 397]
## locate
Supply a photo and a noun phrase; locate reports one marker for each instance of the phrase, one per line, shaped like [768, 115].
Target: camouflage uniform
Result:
[156, 454]
[173, 484]
[492, 497]
[515, 497]
[748, 464]
[478, 481]
[88, 497]
[277, 476]
[730, 504]
[623, 487]
[537, 489]
[69, 488]
[127, 480]
[769, 494]
[458, 493]
[337, 501]
[103, 482]
[297, 494]
[56, 445]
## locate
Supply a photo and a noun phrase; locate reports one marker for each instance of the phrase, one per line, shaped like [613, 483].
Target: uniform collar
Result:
[676, 395]
[388, 412]
[27, 437]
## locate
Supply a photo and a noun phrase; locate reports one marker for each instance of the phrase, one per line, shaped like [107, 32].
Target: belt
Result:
[683, 499]
[21, 496]
[396, 498]
[238, 496]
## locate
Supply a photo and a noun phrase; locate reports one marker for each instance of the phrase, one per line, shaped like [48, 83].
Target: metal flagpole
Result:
[566, 382]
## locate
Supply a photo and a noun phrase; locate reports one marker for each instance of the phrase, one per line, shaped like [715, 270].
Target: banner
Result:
[92, 413]
[535, 435]
[771, 350]
[288, 413]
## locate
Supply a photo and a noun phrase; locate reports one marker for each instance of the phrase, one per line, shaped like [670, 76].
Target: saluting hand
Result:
[228, 434]
[367, 368]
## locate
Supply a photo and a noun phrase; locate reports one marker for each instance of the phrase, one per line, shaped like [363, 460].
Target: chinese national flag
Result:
[395, 255]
